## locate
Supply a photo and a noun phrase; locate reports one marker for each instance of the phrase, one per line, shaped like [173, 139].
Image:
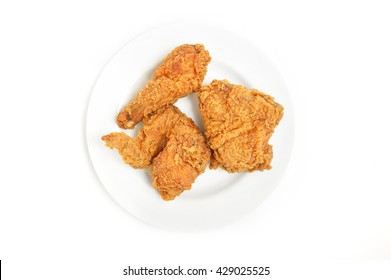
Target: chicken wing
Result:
[150, 141]
[238, 125]
[172, 144]
[180, 74]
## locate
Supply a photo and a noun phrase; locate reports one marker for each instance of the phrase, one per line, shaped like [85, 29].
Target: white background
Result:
[329, 217]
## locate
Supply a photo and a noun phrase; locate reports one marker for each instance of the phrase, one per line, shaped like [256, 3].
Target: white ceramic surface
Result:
[216, 197]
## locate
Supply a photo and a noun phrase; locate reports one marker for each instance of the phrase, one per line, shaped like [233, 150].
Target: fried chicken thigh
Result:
[180, 74]
[238, 125]
[172, 144]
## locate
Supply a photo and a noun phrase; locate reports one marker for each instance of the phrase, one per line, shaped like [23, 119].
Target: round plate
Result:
[216, 197]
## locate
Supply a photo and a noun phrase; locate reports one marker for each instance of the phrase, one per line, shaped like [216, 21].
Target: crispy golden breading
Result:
[150, 141]
[238, 125]
[172, 144]
[180, 74]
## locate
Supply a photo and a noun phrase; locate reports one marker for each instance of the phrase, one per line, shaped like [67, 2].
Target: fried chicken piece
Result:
[238, 125]
[172, 144]
[180, 74]
[150, 141]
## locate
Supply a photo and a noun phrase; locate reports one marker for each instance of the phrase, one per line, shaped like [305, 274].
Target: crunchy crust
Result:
[238, 125]
[180, 74]
[172, 144]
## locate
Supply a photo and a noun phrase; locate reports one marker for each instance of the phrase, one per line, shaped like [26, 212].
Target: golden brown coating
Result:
[180, 74]
[150, 141]
[172, 144]
[238, 125]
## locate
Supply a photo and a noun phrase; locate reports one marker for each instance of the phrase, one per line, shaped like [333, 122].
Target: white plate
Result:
[216, 197]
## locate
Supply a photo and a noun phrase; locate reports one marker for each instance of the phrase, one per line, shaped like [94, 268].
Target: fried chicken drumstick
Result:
[180, 74]
[238, 125]
[172, 144]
